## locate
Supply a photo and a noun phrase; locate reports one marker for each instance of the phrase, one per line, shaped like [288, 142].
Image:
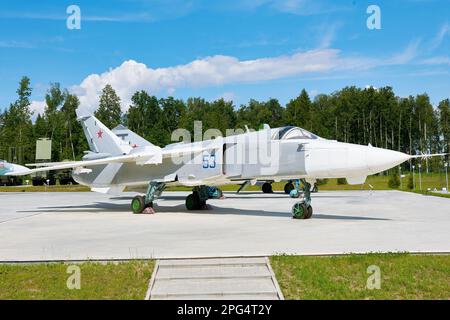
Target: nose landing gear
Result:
[303, 208]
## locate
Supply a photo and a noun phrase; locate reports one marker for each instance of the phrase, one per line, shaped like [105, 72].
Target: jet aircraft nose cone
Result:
[383, 159]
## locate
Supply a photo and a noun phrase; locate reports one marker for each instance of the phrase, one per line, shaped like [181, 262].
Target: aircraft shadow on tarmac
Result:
[104, 207]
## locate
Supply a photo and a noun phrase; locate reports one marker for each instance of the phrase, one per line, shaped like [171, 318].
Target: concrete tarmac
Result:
[78, 226]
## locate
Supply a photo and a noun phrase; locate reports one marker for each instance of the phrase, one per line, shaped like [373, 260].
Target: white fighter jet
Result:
[123, 159]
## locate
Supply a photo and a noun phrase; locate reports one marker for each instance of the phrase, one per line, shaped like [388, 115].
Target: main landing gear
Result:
[197, 199]
[267, 187]
[303, 208]
[288, 187]
[144, 204]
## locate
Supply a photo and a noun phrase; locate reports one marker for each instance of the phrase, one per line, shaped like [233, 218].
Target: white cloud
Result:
[327, 33]
[210, 71]
[16, 44]
[218, 70]
[443, 32]
[132, 17]
[37, 107]
[227, 96]
[406, 55]
[437, 60]
[297, 7]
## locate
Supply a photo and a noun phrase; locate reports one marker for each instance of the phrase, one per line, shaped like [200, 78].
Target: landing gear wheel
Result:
[138, 204]
[193, 201]
[288, 187]
[300, 211]
[315, 189]
[267, 188]
[294, 193]
[310, 212]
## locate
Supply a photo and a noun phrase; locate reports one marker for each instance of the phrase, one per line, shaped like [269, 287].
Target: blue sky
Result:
[233, 49]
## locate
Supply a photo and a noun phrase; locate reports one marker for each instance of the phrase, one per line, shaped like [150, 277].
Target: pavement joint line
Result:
[221, 293]
[214, 277]
[181, 266]
[118, 260]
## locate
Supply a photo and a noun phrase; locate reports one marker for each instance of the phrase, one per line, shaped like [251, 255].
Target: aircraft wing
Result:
[142, 156]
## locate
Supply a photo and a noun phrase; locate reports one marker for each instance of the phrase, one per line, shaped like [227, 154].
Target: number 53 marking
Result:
[209, 161]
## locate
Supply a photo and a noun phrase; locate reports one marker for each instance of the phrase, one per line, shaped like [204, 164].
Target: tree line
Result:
[355, 115]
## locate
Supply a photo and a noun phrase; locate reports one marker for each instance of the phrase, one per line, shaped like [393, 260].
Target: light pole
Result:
[414, 178]
[446, 174]
[420, 176]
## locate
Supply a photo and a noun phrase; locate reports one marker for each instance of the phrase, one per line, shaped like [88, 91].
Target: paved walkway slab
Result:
[224, 279]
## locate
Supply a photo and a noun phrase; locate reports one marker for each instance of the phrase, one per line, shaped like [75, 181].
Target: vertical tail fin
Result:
[100, 138]
[130, 137]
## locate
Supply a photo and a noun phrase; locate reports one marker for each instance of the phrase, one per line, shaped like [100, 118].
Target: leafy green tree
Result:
[172, 112]
[74, 141]
[17, 131]
[394, 181]
[444, 123]
[109, 111]
[257, 113]
[299, 111]
[40, 127]
[220, 116]
[55, 129]
[143, 117]
[410, 184]
[196, 110]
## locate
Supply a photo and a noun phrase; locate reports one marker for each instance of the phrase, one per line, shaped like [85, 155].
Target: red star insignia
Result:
[134, 145]
[100, 134]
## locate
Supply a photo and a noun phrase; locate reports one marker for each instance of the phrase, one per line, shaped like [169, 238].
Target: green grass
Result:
[125, 280]
[403, 276]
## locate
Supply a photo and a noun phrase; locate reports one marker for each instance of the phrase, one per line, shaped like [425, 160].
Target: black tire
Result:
[267, 188]
[315, 189]
[288, 187]
[309, 212]
[192, 201]
[138, 204]
[38, 182]
[299, 211]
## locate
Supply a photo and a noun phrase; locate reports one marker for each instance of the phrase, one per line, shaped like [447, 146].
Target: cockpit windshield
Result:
[291, 132]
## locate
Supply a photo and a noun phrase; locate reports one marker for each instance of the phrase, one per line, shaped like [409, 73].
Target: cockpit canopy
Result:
[291, 132]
